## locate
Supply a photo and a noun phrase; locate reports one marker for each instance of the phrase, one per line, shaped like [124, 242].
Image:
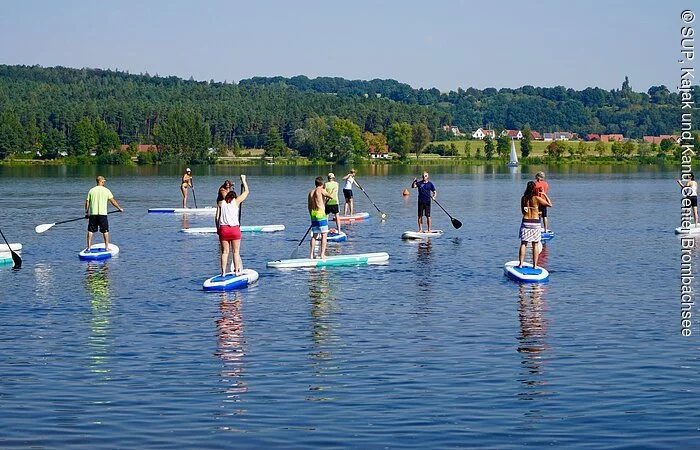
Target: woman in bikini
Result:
[530, 227]
[186, 183]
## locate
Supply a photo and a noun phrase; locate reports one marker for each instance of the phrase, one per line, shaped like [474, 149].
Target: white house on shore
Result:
[513, 134]
[480, 134]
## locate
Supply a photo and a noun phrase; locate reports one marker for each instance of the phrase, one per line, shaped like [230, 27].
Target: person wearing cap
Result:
[186, 183]
[96, 210]
[332, 203]
[426, 193]
[347, 192]
[542, 188]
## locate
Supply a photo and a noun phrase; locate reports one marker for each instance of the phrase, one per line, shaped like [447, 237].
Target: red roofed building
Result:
[535, 135]
[657, 139]
[513, 134]
[379, 154]
[612, 138]
[592, 137]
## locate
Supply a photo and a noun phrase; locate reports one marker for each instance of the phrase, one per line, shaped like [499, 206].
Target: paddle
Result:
[15, 257]
[381, 214]
[240, 207]
[300, 242]
[45, 226]
[455, 223]
[193, 194]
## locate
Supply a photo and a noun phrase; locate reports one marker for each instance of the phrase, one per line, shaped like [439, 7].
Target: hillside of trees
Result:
[58, 111]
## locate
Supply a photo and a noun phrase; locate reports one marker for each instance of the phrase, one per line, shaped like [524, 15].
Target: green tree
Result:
[526, 142]
[420, 136]
[600, 148]
[345, 139]
[399, 138]
[82, 138]
[488, 148]
[107, 139]
[554, 150]
[468, 149]
[374, 140]
[11, 134]
[183, 135]
[582, 149]
[503, 146]
[274, 145]
[54, 142]
[667, 145]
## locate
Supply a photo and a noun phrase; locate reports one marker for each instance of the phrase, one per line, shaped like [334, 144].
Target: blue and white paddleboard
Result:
[337, 260]
[15, 247]
[97, 252]
[547, 235]
[357, 217]
[421, 234]
[231, 281]
[244, 229]
[335, 236]
[690, 231]
[526, 274]
[5, 258]
[207, 210]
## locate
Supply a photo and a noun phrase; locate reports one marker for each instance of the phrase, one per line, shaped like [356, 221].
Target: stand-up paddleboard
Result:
[97, 252]
[421, 234]
[231, 281]
[5, 258]
[207, 210]
[14, 247]
[335, 236]
[547, 235]
[337, 260]
[357, 217]
[244, 229]
[526, 274]
[691, 230]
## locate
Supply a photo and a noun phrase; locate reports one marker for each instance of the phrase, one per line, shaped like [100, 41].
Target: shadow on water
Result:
[323, 306]
[230, 350]
[97, 284]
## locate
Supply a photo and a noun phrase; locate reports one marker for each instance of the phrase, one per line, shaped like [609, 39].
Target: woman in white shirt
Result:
[347, 192]
[229, 228]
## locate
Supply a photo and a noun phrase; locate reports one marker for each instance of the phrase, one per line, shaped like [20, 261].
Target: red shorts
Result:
[229, 233]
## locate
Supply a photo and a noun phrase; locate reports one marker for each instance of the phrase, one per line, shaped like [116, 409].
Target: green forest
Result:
[88, 114]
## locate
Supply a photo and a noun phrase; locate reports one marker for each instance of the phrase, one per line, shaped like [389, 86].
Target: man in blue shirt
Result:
[426, 193]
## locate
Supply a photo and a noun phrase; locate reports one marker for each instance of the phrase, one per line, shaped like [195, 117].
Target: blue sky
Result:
[447, 45]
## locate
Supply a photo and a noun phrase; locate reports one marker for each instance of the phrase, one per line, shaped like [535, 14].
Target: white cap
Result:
[188, 170]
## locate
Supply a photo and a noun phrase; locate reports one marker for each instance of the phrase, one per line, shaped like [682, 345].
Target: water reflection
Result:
[97, 284]
[424, 265]
[532, 344]
[44, 281]
[322, 308]
[185, 222]
[231, 345]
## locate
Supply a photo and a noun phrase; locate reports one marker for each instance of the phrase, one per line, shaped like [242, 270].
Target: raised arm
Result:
[244, 194]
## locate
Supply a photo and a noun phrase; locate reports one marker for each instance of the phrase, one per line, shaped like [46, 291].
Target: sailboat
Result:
[513, 156]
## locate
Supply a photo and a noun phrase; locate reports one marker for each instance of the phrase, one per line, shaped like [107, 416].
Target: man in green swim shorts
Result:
[317, 211]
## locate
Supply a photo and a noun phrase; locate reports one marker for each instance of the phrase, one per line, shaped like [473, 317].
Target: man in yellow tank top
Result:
[96, 210]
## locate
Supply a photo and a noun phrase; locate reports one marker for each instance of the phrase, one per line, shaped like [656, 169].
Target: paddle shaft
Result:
[455, 223]
[370, 200]
[49, 225]
[194, 196]
[302, 240]
[240, 206]
[15, 257]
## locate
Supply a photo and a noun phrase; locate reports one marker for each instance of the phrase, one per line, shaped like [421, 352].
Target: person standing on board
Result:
[690, 191]
[184, 185]
[530, 227]
[332, 203]
[96, 211]
[426, 193]
[229, 228]
[542, 188]
[223, 190]
[347, 192]
[317, 211]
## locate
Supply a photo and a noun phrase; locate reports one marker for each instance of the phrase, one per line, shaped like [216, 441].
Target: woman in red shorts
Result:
[229, 229]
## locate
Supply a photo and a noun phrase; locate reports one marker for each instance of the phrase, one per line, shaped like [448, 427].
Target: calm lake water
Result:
[436, 349]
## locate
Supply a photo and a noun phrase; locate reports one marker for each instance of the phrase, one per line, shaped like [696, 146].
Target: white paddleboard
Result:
[15, 247]
[357, 217]
[5, 258]
[244, 229]
[97, 252]
[337, 260]
[207, 210]
[231, 281]
[526, 274]
[691, 230]
[421, 234]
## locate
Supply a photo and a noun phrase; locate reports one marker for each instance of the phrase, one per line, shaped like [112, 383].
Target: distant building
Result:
[657, 139]
[452, 129]
[141, 148]
[480, 133]
[513, 134]
[612, 138]
[379, 154]
[535, 135]
[592, 137]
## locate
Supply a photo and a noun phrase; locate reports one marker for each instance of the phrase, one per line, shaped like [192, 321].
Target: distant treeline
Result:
[57, 111]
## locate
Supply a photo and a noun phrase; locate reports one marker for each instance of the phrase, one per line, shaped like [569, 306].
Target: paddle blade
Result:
[16, 260]
[43, 227]
[383, 216]
[456, 223]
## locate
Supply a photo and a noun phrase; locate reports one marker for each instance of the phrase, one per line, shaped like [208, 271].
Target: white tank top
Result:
[229, 214]
[693, 188]
[348, 182]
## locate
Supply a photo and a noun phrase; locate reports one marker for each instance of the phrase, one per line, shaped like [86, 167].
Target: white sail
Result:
[513, 156]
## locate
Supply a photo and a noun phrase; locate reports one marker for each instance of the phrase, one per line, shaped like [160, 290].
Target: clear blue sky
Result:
[447, 45]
